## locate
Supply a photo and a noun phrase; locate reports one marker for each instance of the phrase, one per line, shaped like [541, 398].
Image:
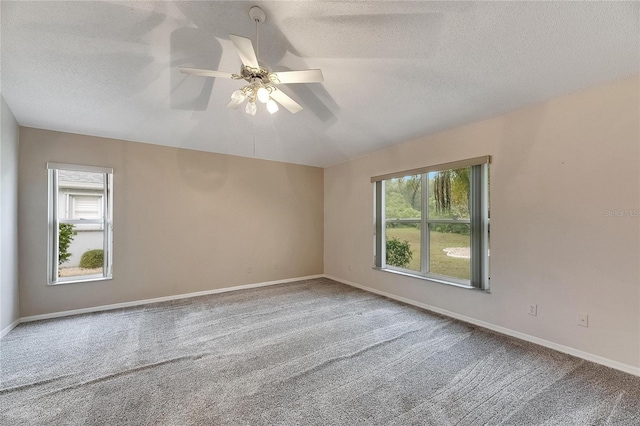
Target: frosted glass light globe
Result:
[272, 106]
[263, 95]
[237, 97]
[251, 108]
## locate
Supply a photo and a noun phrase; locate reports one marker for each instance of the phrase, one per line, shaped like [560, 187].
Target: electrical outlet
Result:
[582, 319]
[276, 266]
[533, 310]
[249, 270]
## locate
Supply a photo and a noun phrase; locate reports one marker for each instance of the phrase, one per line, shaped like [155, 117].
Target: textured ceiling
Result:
[393, 70]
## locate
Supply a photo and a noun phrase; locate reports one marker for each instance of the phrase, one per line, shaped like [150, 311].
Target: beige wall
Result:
[9, 130]
[558, 167]
[184, 221]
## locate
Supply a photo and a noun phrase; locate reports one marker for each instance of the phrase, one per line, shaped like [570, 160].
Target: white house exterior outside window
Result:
[80, 223]
[85, 206]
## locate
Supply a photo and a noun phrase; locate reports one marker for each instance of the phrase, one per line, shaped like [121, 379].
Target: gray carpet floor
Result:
[313, 352]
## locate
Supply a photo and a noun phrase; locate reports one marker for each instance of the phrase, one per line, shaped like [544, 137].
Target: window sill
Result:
[431, 279]
[81, 280]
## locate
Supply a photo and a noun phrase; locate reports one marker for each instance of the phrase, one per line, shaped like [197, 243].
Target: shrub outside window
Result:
[80, 223]
[433, 223]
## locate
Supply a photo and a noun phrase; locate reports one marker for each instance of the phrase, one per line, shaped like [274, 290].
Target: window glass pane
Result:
[80, 194]
[450, 249]
[449, 194]
[403, 198]
[403, 245]
[81, 252]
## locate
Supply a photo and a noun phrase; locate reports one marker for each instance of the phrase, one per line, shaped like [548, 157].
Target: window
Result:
[85, 206]
[433, 222]
[82, 206]
[80, 223]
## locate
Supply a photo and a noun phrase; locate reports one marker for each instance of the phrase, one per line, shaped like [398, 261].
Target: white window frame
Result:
[478, 222]
[105, 224]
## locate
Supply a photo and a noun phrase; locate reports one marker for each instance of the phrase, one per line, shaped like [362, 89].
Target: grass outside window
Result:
[440, 261]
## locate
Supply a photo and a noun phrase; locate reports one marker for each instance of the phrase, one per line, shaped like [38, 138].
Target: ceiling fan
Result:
[263, 83]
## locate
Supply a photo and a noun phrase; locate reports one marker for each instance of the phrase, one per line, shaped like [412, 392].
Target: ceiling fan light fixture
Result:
[261, 81]
[238, 96]
[272, 106]
[263, 94]
[251, 108]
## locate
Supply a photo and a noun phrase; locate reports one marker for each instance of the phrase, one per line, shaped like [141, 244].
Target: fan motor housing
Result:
[250, 74]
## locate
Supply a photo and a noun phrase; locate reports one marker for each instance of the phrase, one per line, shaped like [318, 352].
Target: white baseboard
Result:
[10, 327]
[503, 330]
[154, 300]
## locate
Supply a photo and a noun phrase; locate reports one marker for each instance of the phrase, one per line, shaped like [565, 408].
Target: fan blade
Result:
[206, 73]
[306, 76]
[284, 100]
[245, 51]
[233, 104]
